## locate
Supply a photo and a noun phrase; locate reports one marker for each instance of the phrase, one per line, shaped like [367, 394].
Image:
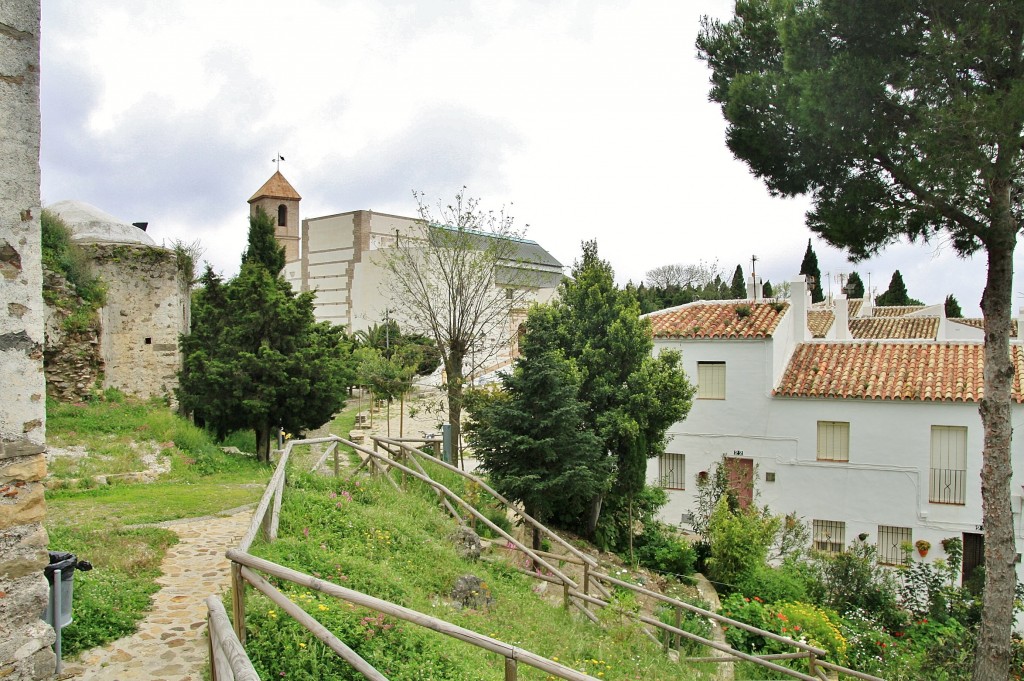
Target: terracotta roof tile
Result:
[854, 305]
[892, 371]
[979, 323]
[819, 322]
[894, 328]
[276, 188]
[896, 310]
[718, 320]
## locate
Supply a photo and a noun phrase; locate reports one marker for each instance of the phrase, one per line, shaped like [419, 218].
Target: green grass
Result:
[91, 521]
[363, 535]
[111, 598]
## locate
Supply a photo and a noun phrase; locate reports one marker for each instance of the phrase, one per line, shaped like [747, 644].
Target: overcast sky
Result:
[589, 120]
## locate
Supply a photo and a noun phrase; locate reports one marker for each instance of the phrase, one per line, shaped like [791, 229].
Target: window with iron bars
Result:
[891, 542]
[829, 536]
[947, 473]
[672, 470]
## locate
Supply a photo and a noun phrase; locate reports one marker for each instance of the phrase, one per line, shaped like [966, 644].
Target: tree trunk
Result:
[262, 444]
[992, 658]
[595, 513]
[536, 538]
[453, 367]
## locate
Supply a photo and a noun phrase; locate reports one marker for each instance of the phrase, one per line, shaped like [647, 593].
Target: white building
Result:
[340, 258]
[861, 420]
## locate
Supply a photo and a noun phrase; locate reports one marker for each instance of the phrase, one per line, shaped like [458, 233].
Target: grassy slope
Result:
[91, 523]
[363, 535]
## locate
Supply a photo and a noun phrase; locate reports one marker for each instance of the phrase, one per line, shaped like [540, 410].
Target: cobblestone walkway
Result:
[170, 644]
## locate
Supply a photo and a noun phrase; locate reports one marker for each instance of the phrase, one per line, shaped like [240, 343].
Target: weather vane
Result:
[278, 160]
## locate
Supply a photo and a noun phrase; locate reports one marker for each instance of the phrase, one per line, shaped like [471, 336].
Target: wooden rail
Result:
[266, 516]
[228, 661]
[512, 654]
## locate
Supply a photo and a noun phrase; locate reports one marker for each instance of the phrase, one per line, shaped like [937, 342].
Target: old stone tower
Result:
[281, 201]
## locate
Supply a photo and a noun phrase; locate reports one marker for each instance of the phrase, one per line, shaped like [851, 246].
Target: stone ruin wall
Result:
[147, 309]
[133, 345]
[72, 358]
[24, 638]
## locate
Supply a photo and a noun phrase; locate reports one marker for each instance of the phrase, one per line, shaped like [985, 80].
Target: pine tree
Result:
[767, 291]
[532, 442]
[632, 397]
[854, 286]
[738, 286]
[896, 294]
[809, 266]
[952, 306]
[256, 357]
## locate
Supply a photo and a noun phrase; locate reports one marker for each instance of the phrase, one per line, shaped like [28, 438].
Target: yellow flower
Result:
[302, 645]
[323, 607]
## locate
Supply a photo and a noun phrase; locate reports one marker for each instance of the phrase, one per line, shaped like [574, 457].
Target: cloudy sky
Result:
[587, 119]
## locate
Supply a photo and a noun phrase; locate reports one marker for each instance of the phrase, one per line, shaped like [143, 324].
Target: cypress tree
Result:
[809, 266]
[855, 286]
[738, 287]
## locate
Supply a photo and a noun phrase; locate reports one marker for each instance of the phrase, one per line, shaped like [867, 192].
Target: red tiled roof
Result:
[892, 371]
[895, 310]
[979, 323]
[854, 305]
[894, 328]
[718, 320]
[276, 188]
[819, 322]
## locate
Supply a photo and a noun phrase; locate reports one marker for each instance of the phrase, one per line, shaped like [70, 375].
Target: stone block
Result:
[26, 505]
[26, 468]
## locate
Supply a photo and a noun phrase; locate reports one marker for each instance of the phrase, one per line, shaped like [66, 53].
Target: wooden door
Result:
[974, 555]
[740, 474]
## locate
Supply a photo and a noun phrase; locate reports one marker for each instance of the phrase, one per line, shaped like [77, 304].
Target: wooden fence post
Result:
[238, 601]
[210, 634]
[336, 459]
[511, 673]
[679, 618]
[811, 666]
[565, 596]
[586, 584]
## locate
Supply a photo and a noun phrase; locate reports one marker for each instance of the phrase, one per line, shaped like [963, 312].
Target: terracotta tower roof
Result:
[276, 188]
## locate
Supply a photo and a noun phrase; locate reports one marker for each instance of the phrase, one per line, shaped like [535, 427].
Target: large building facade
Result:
[863, 423]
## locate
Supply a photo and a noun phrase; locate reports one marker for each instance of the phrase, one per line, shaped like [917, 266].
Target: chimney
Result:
[799, 300]
[141, 225]
[842, 322]
[754, 290]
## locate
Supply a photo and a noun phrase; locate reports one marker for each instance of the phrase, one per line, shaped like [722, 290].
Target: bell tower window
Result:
[282, 216]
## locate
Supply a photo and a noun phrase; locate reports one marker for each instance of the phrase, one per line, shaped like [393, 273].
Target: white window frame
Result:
[710, 380]
[890, 544]
[947, 467]
[829, 536]
[833, 441]
[672, 470]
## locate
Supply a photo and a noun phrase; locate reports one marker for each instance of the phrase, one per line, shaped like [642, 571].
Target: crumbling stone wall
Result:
[72, 358]
[147, 308]
[24, 637]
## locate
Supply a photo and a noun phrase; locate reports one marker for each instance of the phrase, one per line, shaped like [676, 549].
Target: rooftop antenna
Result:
[753, 268]
[277, 160]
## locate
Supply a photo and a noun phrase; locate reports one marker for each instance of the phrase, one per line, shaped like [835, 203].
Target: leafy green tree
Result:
[854, 286]
[809, 267]
[896, 294]
[388, 339]
[901, 120]
[531, 440]
[632, 397]
[256, 358]
[952, 307]
[738, 287]
[766, 289]
[387, 377]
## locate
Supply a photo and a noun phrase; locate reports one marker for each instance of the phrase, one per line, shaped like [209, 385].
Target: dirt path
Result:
[170, 644]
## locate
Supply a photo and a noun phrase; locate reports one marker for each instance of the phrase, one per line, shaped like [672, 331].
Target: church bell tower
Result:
[281, 201]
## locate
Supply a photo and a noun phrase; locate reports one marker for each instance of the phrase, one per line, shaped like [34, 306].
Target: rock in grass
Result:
[471, 592]
[467, 543]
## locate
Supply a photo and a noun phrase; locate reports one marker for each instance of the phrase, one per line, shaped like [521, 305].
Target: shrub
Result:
[784, 583]
[658, 548]
[853, 580]
[739, 542]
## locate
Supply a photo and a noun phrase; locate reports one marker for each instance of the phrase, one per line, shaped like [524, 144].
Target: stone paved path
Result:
[170, 644]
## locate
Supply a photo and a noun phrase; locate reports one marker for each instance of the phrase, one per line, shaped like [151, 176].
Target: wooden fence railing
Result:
[593, 579]
[401, 456]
